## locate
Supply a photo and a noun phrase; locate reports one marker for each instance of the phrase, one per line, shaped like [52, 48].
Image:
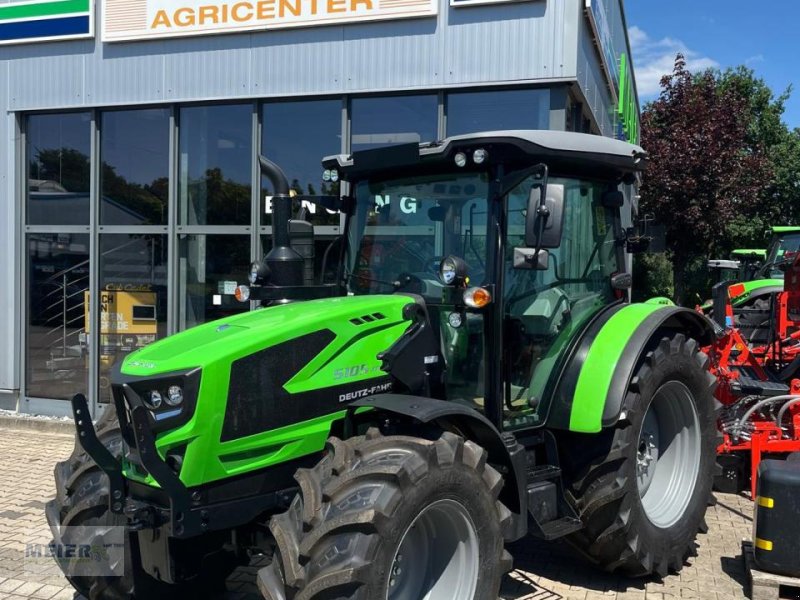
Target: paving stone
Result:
[46, 592]
[9, 585]
[542, 571]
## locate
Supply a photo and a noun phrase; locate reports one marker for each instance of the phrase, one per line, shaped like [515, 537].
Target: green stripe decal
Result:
[594, 380]
[37, 10]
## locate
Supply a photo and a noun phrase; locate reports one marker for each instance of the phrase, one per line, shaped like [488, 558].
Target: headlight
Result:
[174, 395]
[259, 273]
[461, 160]
[479, 156]
[453, 271]
[153, 399]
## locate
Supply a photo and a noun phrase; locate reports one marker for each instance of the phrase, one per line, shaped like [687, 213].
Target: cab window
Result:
[544, 309]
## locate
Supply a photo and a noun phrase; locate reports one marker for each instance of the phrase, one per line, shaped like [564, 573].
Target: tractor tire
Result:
[392, 518]
[642, 486]
[82, 501]
[755, 325]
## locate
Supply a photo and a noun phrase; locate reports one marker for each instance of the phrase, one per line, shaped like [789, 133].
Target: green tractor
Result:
[759, 270]
[474, 374]
[759, 275]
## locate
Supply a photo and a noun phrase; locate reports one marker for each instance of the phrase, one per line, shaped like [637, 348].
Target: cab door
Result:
[545, 310]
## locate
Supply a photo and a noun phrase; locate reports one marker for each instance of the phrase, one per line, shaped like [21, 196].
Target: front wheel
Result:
[392, 518]
[642, 487]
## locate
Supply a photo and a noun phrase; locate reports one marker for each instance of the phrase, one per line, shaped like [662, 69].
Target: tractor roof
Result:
[563, 151]
[778, 229]
[750, 252]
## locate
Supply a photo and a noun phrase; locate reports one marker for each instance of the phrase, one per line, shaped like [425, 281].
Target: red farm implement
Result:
[756, 360]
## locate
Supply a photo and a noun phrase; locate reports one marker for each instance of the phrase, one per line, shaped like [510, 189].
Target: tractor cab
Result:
[783, 248]
[512, 241]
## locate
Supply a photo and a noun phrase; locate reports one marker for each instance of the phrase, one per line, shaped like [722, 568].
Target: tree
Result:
[703, 168]
[780, 196]
[66, 166]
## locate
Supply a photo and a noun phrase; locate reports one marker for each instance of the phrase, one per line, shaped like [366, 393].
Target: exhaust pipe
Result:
[285, 264]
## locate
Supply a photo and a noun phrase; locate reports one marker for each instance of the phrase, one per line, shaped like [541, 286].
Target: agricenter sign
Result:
[148, 19]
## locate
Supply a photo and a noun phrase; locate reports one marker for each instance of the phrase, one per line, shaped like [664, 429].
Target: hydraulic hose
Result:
[784, 408]
[743, 419]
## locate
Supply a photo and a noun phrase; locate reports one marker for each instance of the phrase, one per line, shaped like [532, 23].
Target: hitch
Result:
[87, 437]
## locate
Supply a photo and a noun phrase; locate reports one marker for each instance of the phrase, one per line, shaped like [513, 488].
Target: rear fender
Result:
[590, 394]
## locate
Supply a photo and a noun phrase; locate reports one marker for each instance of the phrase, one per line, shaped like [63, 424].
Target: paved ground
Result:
[544, 571]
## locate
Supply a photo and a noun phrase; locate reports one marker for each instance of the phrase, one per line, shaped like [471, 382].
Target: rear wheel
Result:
[643, 486]
[392, 518]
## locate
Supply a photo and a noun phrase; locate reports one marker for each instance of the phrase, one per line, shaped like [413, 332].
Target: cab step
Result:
[560, 527]
[550, 515]
[543, 473]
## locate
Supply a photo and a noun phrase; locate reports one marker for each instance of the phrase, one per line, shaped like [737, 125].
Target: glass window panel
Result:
[58, 290]
[58, 169]
[206, 262]
[327, 250]
[134, 150]
[296, 136]
[497, 110]
[216, 158]
[391, 120]
[133, 300]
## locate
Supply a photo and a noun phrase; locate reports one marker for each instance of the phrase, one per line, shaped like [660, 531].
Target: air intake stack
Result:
[285, 264]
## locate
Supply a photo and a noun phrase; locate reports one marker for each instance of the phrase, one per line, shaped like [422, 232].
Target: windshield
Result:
[783, 248]
[403, 228]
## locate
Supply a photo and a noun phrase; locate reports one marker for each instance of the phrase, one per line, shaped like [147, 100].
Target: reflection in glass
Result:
[133, 298]
[206, 263]
[497, 110]
[297, 135]
[57, 295]
[216, 158]
[393, 120]
[58, 169]
[134, 147]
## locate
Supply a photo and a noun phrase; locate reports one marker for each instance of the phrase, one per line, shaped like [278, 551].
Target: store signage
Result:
[627, 111]
[597, 11]
[479, 2]
[148, 19]
[43, 21]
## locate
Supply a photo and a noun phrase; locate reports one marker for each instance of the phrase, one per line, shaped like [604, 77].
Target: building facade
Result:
[130, 186]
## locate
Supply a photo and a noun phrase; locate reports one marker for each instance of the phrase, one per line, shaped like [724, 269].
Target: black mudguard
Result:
[505, 453]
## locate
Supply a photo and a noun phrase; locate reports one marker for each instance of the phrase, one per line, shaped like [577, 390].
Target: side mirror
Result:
[613, 199]
[529, 259]
[544, 222]
[437, 213]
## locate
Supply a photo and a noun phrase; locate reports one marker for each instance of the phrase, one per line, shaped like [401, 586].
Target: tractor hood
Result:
[244, 334]
[262, 387]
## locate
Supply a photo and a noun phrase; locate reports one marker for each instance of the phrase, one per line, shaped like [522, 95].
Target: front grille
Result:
[257, 400]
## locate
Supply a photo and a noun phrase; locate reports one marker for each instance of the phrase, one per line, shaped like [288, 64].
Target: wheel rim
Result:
[438, 556]
[668, 454]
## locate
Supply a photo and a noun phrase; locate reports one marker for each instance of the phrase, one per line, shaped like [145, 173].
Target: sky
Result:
[717, 33]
